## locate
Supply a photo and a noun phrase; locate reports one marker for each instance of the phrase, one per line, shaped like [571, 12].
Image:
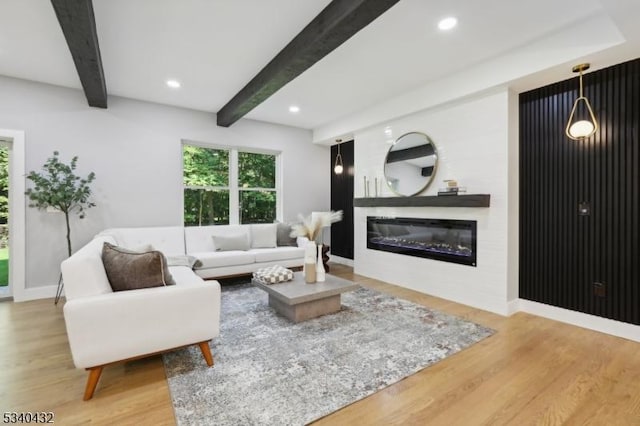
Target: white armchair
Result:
[105, 327]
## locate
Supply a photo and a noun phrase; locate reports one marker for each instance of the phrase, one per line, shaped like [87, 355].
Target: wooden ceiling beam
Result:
[337, 22]
[78, 25]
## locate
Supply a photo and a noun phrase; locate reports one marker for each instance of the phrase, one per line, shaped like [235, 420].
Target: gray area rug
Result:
[269, 371]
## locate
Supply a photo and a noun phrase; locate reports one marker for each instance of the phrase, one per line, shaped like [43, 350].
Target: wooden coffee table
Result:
[300, 301]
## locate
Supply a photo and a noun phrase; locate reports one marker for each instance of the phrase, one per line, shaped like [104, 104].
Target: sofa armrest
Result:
[112, 327]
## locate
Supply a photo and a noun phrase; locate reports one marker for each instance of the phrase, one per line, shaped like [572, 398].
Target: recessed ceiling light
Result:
[447, 23]
[174, 84]
[294, 109]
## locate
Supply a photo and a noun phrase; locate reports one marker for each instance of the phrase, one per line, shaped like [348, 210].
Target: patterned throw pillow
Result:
[273, 274]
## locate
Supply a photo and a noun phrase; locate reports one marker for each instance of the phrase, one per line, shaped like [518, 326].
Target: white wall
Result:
[135, 150]
[472, 139]
[543, 61]
[513, 266]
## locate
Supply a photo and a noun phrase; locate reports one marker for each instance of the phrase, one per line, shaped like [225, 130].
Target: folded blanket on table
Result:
[273, 274]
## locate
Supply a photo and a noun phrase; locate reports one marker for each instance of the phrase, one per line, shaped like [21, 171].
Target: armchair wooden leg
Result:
[206, 352]
[92, 381]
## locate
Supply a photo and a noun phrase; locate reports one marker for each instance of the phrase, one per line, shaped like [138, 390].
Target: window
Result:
[229, 186]
[206, 185]
[257, 184]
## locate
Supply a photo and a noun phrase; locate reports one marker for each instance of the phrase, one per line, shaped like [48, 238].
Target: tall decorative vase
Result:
[310, 263]
[320, 272]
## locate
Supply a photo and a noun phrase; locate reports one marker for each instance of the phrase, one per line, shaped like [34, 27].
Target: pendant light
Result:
[581, 129]
[338, 167]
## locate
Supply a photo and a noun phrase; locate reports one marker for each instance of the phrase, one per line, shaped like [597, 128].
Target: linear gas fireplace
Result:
[440, 239]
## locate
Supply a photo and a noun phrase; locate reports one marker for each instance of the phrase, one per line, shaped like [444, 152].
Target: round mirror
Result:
[410, 164]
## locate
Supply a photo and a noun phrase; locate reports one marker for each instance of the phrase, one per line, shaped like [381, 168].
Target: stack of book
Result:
[452, 188]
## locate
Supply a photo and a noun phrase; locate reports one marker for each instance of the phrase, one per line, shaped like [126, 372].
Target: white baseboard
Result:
[341, 260]
[513, 307]
[33, 293]
[592, 322]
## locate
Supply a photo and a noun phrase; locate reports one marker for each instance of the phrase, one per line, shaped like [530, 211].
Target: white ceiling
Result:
[214, 47]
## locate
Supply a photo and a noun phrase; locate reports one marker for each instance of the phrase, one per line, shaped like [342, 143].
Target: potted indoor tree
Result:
[58, 187]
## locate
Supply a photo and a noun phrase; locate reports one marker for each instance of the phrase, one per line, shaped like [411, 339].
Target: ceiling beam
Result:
[337, 22]
[79, 27]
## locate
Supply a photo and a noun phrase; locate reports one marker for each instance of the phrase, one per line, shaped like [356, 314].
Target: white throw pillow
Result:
[264, 235]
[231, 242]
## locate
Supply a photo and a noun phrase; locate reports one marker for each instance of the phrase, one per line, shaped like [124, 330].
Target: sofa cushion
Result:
[264, 235]
[129, 270]
[198, 238]
[224, 258]
[283, 237]
[167, 239]
[231, 242]
[279, 253]
[183, 275]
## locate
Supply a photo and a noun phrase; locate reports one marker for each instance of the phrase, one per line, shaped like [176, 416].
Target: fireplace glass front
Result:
[440, 239]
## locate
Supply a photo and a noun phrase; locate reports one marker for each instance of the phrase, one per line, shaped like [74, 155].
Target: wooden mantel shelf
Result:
[470, 200]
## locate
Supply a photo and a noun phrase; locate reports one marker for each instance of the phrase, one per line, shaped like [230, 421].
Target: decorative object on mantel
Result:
[377, 186]
[60, 189]
[339, 166]
[410, 164]
[586, 125]
[452, 188]
[465, 200]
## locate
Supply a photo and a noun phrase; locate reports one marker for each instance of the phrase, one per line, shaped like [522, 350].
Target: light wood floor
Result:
[532, 371]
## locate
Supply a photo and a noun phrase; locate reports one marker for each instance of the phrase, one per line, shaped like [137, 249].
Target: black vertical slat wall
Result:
[562, 254]
[342, 199]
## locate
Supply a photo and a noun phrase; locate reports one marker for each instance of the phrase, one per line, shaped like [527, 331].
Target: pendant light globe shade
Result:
[338, 169]
[581, 129]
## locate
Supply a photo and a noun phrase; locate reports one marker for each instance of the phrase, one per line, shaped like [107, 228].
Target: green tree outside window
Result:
[207, 186]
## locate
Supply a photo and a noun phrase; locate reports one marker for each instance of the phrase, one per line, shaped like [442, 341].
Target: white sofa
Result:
[218, 264]
[197, 241]
[106, 327]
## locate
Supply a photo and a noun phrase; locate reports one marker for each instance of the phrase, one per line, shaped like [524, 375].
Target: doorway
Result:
[4, 220]
[12, 171]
